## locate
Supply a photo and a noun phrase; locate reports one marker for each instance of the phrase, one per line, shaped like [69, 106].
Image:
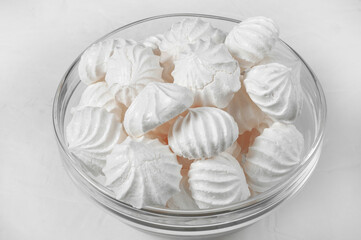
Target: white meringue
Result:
[244, 111]
[92, 133]
[275, 91]
[153, 42]
[289, 60]
[142, 172]
[156, 104]
[189, 30]
[185, 32]
[210, 72]
[99, 95]
[93, 63]
[182, 200]
[252, 39]
[217, 181]
[130, 68]
[274, 154]
[204, 132]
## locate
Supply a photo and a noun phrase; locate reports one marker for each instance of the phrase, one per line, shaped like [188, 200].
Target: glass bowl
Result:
[193, 222]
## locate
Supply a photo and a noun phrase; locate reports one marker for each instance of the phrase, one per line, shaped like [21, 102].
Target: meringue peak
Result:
[209, 71]
[252, 39]
[275, 91]
[92, 133]
[131, 67]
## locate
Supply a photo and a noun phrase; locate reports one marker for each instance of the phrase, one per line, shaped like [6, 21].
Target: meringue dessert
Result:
[192, 118]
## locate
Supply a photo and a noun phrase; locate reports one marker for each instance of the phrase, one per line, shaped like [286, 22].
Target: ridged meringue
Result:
[274, 154]
[156, 104]
[131, 67]
[210, 72]
[187, 31]
[93, 63]
[252, 39]
[217, 181]
[99, 95]
[182, 200]
[204, 132]
[244, 111]
[92, 133]
[142, 172]
[290, 61]
[275, 92]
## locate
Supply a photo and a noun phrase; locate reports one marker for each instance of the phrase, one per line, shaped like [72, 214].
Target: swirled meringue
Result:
[274, 154]
[142, 172]
[217, 181]
[244, 111]
[156, 104]
[182, 200]
[92, 133]
[288, 60]
[210, 72]
[93, 63]
[252, 39]
[204, 132]
[99, 95]
[275, 91]
[187, 31]
[131, 67]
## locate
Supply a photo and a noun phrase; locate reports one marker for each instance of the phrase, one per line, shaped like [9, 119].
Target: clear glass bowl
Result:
[193, 222]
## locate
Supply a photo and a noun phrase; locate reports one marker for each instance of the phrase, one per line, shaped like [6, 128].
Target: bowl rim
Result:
[251, 202]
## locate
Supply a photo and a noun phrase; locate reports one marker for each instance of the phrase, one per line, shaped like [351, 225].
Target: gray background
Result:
[38, 41]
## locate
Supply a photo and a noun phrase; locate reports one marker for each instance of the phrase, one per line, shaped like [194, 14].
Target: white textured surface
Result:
[273, 155]
[209, 70]
[142, 172]
[39, 40]
[203, 133]
[217, 181]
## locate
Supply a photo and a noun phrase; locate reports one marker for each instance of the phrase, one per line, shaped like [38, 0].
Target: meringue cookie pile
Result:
[193, 118]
